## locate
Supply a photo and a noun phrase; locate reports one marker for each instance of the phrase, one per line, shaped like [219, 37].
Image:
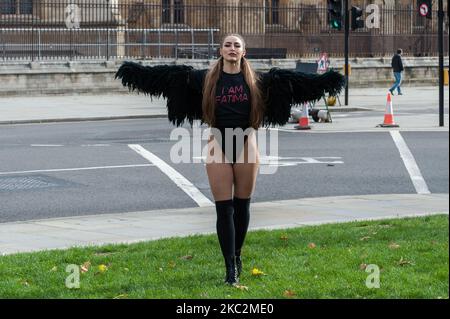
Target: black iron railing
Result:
[114, 29]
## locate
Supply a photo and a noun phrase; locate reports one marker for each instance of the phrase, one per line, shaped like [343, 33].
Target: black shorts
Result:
[235, 148]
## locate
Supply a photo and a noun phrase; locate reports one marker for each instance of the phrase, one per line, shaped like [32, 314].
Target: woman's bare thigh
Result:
[220, 173]
[245, 170]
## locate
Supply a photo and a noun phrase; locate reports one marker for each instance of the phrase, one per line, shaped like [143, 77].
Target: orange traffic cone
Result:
[389, 114]
[303, 122]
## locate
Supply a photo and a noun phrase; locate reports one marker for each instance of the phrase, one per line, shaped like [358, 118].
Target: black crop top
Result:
[232, 101]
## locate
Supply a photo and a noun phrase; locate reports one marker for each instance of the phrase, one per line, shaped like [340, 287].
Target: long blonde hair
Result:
[250, 77]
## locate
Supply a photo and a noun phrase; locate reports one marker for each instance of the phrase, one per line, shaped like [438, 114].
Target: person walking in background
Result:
[397, 66]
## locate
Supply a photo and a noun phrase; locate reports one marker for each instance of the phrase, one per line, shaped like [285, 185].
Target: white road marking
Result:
[410, 164]
[46, 145]
[95, 145]
[58, 145]
[176, 177]
[341, 115]
[73, 169]
[280, 161]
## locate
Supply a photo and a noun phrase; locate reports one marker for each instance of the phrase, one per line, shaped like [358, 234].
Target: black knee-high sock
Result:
[225, 227]
[241, 221]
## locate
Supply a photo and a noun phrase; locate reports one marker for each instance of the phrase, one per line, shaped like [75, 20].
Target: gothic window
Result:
[172, 11]
[16, 7]
[272, 12]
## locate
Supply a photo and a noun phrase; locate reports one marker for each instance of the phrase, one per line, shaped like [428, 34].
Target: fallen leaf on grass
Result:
[394, 246]
[311, 246]
[284, 237]
[289, 293]
[188, 257]
[404, 262]
[365, 238]
[363, 266]
[257, 272]
[241, 287]
[85, 267]
[102, 268]
[54, 269]
[172, 264]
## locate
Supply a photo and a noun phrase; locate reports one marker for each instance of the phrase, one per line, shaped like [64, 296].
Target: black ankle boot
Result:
[231, 277]
[238, 266]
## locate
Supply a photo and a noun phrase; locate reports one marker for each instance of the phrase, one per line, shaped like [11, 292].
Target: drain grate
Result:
[12, 183]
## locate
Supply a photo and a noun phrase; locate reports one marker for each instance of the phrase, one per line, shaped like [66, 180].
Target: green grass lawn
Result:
[327, 261]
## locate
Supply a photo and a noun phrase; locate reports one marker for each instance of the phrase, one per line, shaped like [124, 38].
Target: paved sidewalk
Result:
[149, 225]
[42, 109]
[17, 110]
[422, 101]
[345, 123]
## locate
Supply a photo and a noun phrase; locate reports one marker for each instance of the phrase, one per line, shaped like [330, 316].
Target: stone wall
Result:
[78, 77]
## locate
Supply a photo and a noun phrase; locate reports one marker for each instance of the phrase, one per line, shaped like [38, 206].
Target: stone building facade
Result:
[228, 15]
[299, 26]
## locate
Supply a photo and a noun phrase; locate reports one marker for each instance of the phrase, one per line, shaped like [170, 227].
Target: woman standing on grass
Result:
[229, 97]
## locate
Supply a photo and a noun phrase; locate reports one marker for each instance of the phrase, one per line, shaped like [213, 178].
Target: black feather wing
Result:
[283, 88]
[181, 85]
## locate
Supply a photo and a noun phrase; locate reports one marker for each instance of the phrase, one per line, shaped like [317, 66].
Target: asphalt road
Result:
[70, 169]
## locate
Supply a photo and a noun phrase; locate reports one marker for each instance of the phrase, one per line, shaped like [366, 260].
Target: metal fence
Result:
[106, 43]
[110, 29]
